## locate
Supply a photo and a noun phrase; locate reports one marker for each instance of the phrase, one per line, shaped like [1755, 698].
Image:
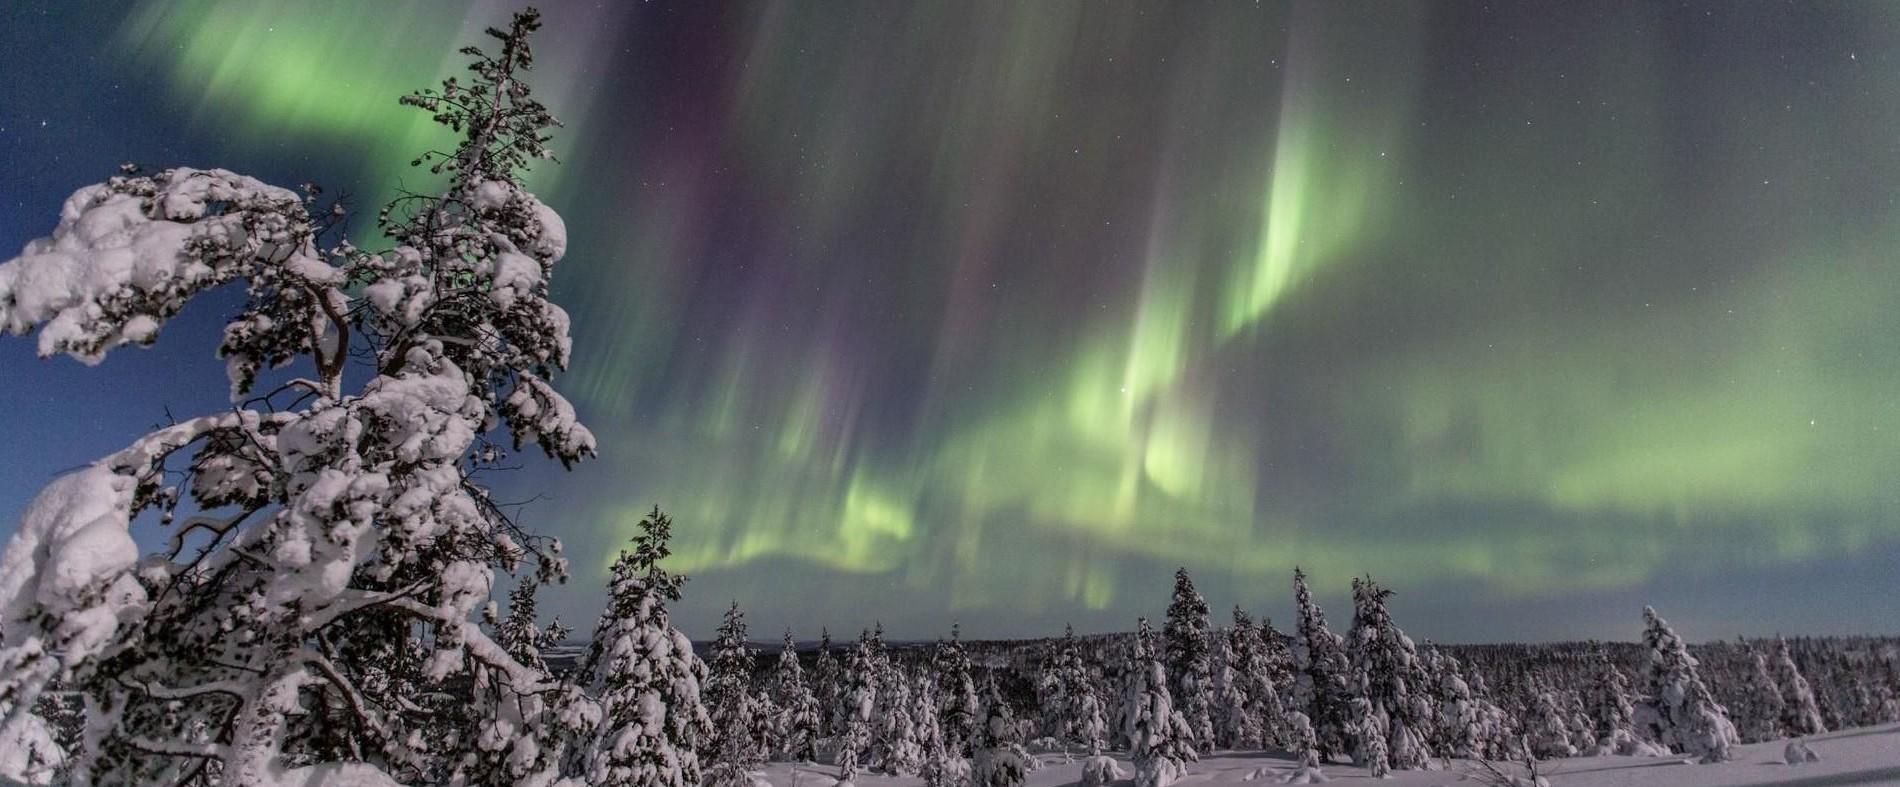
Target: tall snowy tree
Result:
[1160, 741]
[1234, 724]
[939, 768]
[1799, 713]
[797, 725]
[1610, 708]
[733, 754]
[826, 686]
[901, 753]
[1261, 671]
[1320, 664]
[1761, 699]
[1190, 665]
[1677, 710]
[999, 759]
[653, 723]
[1385, 671]
[859, 696]
[343, 499]
[1072, 711]
[956, 695]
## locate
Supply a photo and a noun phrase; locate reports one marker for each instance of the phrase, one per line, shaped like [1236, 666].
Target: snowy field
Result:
[1867, 755]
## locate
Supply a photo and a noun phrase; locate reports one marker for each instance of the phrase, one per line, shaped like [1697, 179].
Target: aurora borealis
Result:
[916, 311]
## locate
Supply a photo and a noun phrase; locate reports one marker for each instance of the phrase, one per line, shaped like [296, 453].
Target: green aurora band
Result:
[1002, 305]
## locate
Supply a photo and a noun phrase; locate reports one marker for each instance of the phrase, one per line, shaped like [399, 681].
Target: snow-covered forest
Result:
[324, 611]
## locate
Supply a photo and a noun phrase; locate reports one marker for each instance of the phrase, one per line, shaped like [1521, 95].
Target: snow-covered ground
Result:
[1867, 755]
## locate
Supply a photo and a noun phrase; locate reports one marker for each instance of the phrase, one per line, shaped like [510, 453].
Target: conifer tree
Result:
[1761, 700]
[1385, 671]
[734, 753]
[1546, 730]
[859, 696]
[902, 754]
[321, 503]
[999, 759]
[1678, 711]
[827, 686]
[1800, 714]
[1261, 679]
[1610, 708]
[1160, 742]
[796, 727]
[956, 695]
[520, 634]
[1072, 709]
[1234, 725]
[1190, 666]
[1319, 684]
[653, 724]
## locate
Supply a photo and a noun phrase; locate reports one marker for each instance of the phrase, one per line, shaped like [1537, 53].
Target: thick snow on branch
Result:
[117, 265]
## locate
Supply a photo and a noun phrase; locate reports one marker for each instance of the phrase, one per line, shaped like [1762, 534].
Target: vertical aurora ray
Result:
[932, 308]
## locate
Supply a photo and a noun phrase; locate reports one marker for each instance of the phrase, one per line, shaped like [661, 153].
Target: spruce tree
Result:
[1320, 664]
[520, 634]
[902, 754]
[1385, 671]
[1160, 742]
[1678, 711]
[1610, 708]
[1234, 725]
[797, 724]
[1761, 700]
[1546, 730]
[956, 695]
[859, 700]
[999, 759]
[827, 686]
[1072, 709]
[1190, 666]
[653, 724]
[1261, 679]
[734, 753]
[1799, 713]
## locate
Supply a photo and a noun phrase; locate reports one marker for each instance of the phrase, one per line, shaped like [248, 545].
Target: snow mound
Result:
[1798, 752]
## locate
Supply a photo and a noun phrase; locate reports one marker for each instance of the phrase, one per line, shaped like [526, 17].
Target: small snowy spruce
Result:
[733, 754]
[796, 727]
[1677, 710]
[1160, 741]
[1190, 666]
[653, 723]
[1319, 663]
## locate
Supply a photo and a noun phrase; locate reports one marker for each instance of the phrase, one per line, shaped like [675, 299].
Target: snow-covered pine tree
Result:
[1457, 730]
[957, 705]
[859, 698]
[940, 768]
[320, 509]
[1190, 666]
[1369, 745]
[520, 634]
[1610, 708]
[1677, 710]
[1546, 731]
[1384, 670]
[1319, 683]
[1799, 713]
[826, 684]
[1160, 742]
[1762, 700]
[1073, 712]
[1234, 725]
[902, 755]
[796, 727]
[999, 759]
[653, 723]
[733, 754]
[1304, 746]
[1261, 721]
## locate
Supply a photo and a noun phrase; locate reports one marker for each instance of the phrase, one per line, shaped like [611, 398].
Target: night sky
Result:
[1000, 312]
